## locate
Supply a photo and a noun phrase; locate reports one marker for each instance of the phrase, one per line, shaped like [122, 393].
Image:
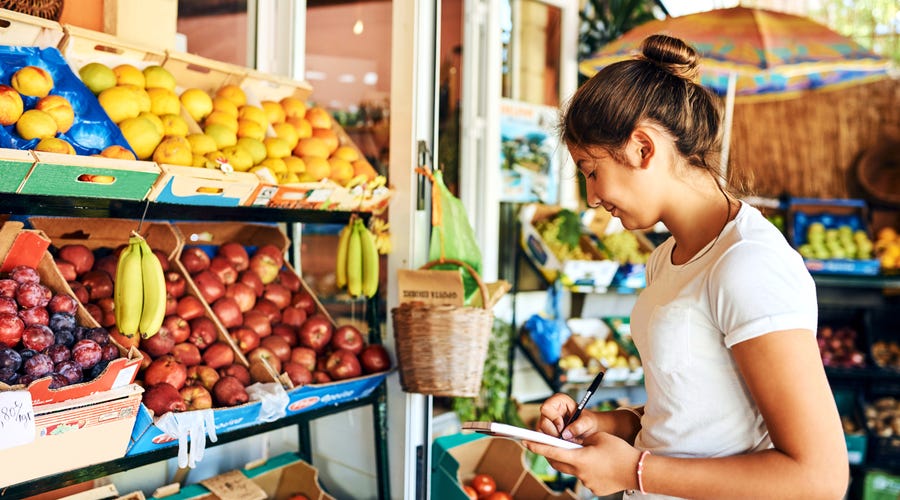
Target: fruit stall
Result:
[125, 294]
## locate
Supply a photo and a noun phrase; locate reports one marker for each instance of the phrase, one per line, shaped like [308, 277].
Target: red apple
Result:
[342, 364]
[348, 337]
[304, 300]
[289, 280]
[287, 332]
[79, 255]
[202, 375]
[194, 259]
[246, 338]
[374, 358]
[315, 333]
[299, 374]
[252, 280]
[175, 284]
[80, 292]
[178, 327]
[159, 344]
[273, 252]
[258, 321]
[222, 268]
[320, 377]
[293, 316]
[145, 361]
[271, 310]
[171, 305]
[203, 332]
[163, 259]
[218, 354]
[236, 255]
[162, 398]
[190, 307]
[304, 356]
[264, 267]
[108, 264]
[187, 354]
[95, 311]
[237, 371]
[278, 294]
[229, 391]
[196, 397]
[278, 345]
[242, 294]
[99, 284]
[210, 286]
[66, 269]
[267, 355]
[228, 312]
[261, 373]
[166, 369]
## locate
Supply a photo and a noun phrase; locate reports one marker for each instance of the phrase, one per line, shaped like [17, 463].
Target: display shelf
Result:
[104, 207]
[17, 204]
[882, 281]
[376, 399]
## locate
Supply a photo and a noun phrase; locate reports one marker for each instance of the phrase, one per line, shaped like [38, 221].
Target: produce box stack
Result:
[28, 31]
[594, 346]
[554, 242]
[190, 354]
[44, 107]
[276, 321]
[58, 367]
[833, 236]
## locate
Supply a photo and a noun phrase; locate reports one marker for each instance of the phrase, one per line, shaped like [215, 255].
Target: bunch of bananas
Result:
[357, 260]
[381, 229]
[140, 294]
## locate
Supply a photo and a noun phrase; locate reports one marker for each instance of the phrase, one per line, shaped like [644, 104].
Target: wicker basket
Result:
[441, 350]
[47, 9]
[878, 172]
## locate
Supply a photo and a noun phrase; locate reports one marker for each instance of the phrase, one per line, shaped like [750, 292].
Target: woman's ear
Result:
[642, 146]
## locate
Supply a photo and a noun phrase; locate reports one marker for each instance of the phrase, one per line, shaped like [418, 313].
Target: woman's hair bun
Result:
[672, 54]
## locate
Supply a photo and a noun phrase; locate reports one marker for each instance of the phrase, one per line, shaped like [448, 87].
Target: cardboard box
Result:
[314, 396]
[18, 246]
[147, 23]
[278, 478]
[24, 30]
[204, 186]
[580, 275]
[14, 168]
[89, 176]
[457, 458]
[81, 46]
[322, 195]
[74, 434]
[832, 213]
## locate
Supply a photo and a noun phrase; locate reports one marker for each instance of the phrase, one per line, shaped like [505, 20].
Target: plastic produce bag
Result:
[548, 329]
[273, 398]
[452, 236]
[191, 429]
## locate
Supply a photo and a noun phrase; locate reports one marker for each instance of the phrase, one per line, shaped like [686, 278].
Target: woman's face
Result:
[623, 190]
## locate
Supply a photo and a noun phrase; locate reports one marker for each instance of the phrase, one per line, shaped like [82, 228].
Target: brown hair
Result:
[658, 85]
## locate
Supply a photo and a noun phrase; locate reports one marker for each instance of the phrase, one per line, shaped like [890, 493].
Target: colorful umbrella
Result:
[769, 52]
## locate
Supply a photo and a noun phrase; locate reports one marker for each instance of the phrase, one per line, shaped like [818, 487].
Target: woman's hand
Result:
[605, 464]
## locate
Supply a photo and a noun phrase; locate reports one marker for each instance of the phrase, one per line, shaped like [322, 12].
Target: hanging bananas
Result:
[381, 230]
[357, 260]
[140, 294]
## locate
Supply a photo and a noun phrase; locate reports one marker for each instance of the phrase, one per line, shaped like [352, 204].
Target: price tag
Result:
[233, 485]
[16, 419]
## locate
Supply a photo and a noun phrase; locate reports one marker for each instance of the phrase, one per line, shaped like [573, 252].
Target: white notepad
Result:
[511, 431]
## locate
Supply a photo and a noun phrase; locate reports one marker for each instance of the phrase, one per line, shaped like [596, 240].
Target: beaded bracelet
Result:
[640, 471]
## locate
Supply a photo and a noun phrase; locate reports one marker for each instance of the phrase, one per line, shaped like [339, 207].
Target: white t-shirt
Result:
[751, 282]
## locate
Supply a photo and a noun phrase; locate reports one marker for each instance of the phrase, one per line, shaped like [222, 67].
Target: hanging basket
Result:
[47, 9]
[441, 350]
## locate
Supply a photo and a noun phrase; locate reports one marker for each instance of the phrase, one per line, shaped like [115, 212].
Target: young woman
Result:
[738, 405]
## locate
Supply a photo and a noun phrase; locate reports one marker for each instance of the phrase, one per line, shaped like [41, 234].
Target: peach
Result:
[341, 170]
[304, 129]
[163, 101]
[117, 152]
[293, 107]
[311, 146]
[126, 74]
[97, 77]
[255, 147]
[60, 109]
[120, 103]
[197, 103]
[251, 129]
[55, 145]
[11, 105]
[274, 112]
[225, 105]
[276, 147]
[174, 150]
[254, 113]
[328, 137]
[318, 117]
[233, 93]
[33, 81]
[35, 123]
[155, 76]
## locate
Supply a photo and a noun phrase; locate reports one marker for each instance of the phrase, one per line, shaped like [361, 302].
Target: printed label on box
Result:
[430, 287]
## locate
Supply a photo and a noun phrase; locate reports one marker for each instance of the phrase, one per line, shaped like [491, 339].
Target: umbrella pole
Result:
[729, 116]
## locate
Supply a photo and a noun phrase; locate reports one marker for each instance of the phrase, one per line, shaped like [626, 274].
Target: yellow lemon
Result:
[156, 121]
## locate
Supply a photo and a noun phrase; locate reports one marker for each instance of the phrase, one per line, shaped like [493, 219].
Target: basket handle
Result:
[481, 286]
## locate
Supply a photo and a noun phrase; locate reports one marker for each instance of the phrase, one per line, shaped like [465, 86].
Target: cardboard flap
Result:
[25, 248]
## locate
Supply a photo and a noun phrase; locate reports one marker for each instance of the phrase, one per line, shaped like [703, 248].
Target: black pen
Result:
[584, 400]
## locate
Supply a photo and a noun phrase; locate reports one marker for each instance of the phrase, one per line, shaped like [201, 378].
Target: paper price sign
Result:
[16, 419]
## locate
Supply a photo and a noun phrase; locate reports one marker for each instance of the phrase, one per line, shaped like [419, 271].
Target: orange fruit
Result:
[311, 146]
[304, 129]
[341, 170]
[328, 137]
[317, 168]
[318, 117]
[363, 167]
[348, 153]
